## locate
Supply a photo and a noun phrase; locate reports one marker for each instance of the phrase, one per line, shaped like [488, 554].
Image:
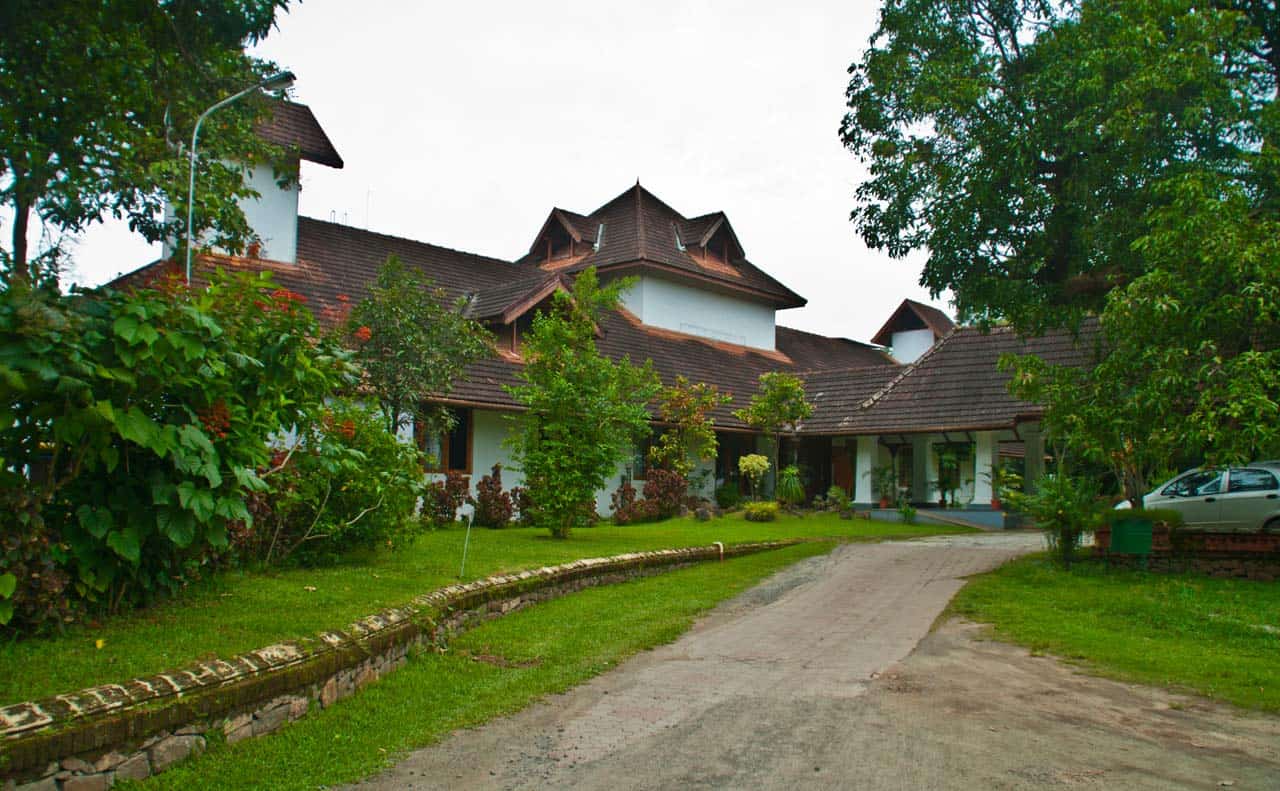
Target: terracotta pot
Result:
[995, 503]
[884, 502]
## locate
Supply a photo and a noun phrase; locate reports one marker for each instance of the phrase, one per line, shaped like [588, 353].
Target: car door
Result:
[1252, 497]
[1195, 496]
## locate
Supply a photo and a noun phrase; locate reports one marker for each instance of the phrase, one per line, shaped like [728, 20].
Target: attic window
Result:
[599, 238]
[559, 243]
[679, 244]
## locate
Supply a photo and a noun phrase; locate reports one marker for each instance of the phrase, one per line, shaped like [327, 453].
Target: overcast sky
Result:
[463, 124]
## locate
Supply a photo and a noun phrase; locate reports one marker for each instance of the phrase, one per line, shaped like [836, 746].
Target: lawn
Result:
[240, 611]
[1216, 637]
[547, 649]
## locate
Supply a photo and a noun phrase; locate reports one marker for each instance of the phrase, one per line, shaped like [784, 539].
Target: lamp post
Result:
[273, 83]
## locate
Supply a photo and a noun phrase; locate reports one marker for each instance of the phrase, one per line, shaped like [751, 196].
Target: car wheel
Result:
[1272, 526]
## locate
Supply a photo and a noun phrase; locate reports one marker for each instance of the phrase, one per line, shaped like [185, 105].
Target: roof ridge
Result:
[640, 247]
[846, 369]
[407, 239]
[883, 391]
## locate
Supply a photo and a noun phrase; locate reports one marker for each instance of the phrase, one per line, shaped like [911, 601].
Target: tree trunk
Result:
[21, 219]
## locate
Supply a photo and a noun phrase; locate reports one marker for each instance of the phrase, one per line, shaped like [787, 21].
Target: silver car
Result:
[1232, 498]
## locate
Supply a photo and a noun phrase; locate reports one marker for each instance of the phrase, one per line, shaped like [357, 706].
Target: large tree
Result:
[1114, 159]
[98, 100]
[583, 411]
[1022, 143]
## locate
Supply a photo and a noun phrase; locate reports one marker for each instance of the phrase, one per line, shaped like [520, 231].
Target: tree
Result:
[92, 91]
[779, 405]
[1023, 143]
[1114, 159]
[413, 345]
[583, 411]
[691, 438]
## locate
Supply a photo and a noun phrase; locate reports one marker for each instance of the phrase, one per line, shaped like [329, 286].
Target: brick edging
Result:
[144, 725]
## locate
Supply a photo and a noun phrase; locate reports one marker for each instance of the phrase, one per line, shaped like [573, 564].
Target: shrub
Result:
[492, 505]
[523, 505]
[441, 499]
[33, 585]
[790, 490]
[753, 466]
[1064, 507]
[908, 512]
[346, 484]
[665, 491]
[837, 499]
[1166, 516]
[137, 421]
[760, 512]
[623, 503]
[728, 495]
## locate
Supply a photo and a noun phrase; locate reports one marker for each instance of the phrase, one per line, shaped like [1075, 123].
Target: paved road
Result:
[757, 695]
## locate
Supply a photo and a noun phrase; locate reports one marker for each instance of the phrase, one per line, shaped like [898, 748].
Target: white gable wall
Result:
[909, 345]
[659, 302]
[273, 216]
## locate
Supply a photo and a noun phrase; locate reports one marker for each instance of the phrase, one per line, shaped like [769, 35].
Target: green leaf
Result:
[127, 328]
[6, 612]
[97, 521]
[8, 584]
[137, 427]
[178, 526]
[192, 437]
[126, 544]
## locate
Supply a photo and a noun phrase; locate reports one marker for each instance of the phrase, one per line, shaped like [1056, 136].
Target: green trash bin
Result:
[1131, 535]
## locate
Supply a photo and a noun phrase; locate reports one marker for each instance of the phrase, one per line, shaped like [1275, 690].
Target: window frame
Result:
[446, 443]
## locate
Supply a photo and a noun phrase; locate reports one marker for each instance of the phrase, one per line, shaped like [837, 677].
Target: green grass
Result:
[241, 611]
[548, 648]
[1215, 637]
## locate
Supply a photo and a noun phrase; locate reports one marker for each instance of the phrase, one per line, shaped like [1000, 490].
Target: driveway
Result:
[806, 682]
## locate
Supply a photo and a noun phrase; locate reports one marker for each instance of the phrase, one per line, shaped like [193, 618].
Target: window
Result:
[1194, 484]
[1251, 480]
[449, 452]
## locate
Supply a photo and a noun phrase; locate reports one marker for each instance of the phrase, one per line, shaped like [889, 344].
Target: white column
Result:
[984, 455]
[866, 459]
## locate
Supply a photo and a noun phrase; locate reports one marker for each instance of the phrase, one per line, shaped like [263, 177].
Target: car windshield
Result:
[1195, 483]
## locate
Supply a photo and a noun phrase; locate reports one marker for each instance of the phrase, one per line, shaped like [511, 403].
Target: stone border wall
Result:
[86, 740]
[1240, 555]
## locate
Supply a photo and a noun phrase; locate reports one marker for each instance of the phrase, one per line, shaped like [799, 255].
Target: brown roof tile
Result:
[957, 384]
[294, 126]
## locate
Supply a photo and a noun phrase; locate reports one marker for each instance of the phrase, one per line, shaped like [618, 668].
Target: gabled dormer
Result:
[694, 276]
[912, 330]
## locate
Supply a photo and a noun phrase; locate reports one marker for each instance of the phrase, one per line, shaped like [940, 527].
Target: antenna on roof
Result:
[333, 215]
[679, 244]
[599, 238]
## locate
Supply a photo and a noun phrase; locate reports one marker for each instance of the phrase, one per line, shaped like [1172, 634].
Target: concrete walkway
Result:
[757, 695]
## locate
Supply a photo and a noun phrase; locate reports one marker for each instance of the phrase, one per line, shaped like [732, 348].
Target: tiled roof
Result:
[338, 260]
[293, 125]
[928, 315]
[957, 385]
[733, 369]
[838, 393]
[640, 230]
[496, 303]
[856, 388]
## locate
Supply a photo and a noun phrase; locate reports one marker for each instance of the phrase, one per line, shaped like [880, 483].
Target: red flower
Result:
[344, 298]
[348, 428]
[363, 334]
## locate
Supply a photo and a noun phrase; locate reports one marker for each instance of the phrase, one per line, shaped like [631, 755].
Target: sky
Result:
[463, 124]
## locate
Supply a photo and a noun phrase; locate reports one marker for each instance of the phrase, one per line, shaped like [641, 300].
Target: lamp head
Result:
[277, 82]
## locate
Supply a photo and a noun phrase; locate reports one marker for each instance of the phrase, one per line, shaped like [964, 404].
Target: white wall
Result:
[909, 345]
[674, 306]
[273, 216]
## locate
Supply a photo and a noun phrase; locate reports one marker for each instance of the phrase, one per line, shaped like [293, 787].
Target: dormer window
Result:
[560, 244]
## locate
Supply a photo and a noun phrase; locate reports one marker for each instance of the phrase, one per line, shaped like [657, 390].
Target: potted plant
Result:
[885, 480]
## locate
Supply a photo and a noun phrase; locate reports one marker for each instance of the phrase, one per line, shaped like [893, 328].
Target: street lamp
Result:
[273, 83]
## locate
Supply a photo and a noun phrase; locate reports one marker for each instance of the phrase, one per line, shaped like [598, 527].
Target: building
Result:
[699, 308]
